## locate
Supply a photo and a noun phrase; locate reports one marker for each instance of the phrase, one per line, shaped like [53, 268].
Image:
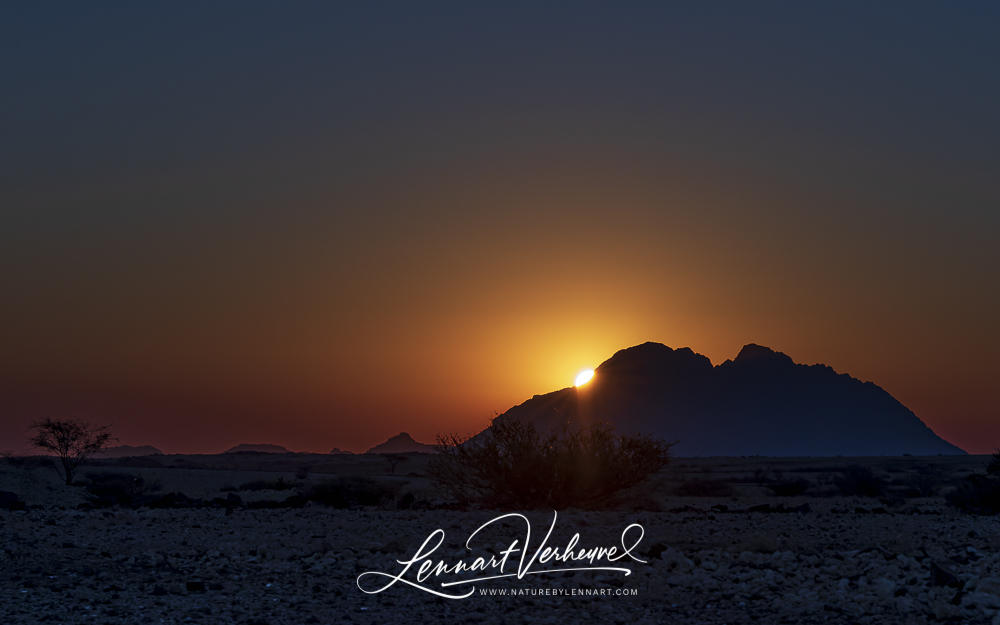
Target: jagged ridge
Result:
[760, 403]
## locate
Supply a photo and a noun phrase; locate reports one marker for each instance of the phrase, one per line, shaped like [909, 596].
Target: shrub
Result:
[348, 492]
[406, 501]
[278, 484]
[858, 481]
[134, 462]
[993, 467]
[13, 459]
[925, 482]
[512, 464]
[977, 494]
[704, 488]
[789, 488]
[108, 489]
[762, 476]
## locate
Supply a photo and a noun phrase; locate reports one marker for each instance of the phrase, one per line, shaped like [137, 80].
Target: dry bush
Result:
[512, 464]
[276, 484]
[926, 481]
[130, 462]
[789, 487]
[704, 488]
[13, 459]
[762, 476]
[994, 466]
[858, 481]
[780, 485]
[977, 494]
[350, 491]
[108, 489]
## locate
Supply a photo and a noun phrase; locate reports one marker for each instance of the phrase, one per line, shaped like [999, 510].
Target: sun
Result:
[584, 376]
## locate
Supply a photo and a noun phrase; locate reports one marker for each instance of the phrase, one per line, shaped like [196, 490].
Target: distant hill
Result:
[336, 450]
[760, 403]
[402, 443]
[122, 451]
[261, 447]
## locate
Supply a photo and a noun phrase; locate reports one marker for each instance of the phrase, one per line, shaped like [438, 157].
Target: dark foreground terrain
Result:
[719, 547]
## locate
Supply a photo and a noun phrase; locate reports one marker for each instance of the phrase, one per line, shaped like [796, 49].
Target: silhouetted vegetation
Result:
[349, 492]
[762, 476]
[511, 464]
[108, 489]
[858, 481]
[72, 440]
[977, 494]
[993, 468]
[780, 485]
[13, 459]
[131, 462]
[926, 481]
[704, 488]
[406, 501]
[393, 460]
[789, 487]
[275, 484]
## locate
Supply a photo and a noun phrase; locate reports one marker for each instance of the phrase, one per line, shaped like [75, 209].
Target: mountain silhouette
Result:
[402, 443]
[760, 403]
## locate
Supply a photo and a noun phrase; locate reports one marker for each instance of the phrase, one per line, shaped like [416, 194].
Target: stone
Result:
[940, 576]
[392, 547]
[989, 585]
[946, 611]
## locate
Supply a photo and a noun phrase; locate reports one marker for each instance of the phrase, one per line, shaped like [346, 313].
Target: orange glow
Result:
[300, 354]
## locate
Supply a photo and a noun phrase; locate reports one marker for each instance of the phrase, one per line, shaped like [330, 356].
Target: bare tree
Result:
[73, 440]
[393, 460]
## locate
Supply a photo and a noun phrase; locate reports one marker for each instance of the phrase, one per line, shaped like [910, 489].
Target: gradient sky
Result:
[318, 225]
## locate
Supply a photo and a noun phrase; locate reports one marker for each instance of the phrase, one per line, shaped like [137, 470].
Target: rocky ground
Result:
[836, 563]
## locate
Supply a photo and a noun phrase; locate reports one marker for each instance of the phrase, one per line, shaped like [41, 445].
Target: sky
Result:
[320, 224]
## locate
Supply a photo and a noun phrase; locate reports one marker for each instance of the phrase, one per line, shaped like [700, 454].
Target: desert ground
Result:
[726, 540]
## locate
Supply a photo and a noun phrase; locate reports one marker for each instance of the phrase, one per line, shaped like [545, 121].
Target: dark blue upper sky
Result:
[125, 89]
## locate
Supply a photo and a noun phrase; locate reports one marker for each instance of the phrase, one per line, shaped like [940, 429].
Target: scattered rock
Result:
[943, 577]
[655, 551]
[10, 501]
[392, 547]
[770, 565]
